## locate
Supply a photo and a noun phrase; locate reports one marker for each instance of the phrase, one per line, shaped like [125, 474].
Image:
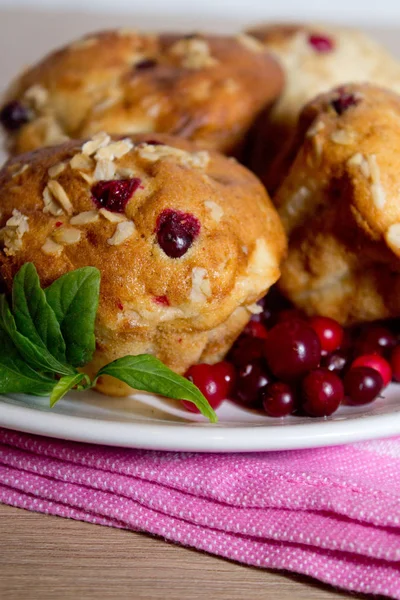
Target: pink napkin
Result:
[332, 513]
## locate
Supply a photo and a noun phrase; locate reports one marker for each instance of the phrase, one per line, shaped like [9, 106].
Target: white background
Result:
[378, 12]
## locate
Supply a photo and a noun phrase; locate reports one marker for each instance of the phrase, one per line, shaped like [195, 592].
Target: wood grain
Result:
[47, 558]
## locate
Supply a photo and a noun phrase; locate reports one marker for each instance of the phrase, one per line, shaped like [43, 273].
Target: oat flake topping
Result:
[215, 209]
[37, 95]
[201, 288]
[67, 235]
[98, 141]
[56, 200]
[81, 161]
[114, 149]
[195, 53]
[51, 248]
[84, 218]
[11, 235]
[154, 153]
[123, 231]
[377, 191]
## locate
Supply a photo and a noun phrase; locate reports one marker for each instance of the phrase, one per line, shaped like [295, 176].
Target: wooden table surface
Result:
[47, 558]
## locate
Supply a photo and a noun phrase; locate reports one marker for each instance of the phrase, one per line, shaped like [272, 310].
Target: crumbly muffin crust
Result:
[339, 206]
[315, 59]
[201, 87]
[108, 203]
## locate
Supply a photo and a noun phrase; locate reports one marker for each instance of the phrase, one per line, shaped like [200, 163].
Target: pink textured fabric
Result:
[332, 513]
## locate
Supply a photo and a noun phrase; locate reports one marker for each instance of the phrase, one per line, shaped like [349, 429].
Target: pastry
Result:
[315, 59]
[186, 241]
[200, 87]
[339, 206]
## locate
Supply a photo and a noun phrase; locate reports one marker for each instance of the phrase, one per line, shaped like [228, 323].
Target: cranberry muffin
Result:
[186, 241]
[340, 206]
[200, 87]
[315, 59]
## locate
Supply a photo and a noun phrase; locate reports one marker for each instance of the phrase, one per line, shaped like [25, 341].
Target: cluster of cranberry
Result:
[285, 363]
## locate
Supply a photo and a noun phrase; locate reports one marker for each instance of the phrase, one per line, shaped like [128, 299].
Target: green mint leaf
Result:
[74, 298]
[37, 357]
[16, 377]
[147, 373]
[34, 317]
[85, 384]
[63, 386]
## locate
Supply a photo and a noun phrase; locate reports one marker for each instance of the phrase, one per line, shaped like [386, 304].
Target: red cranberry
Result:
[336, 361]
[273, 304]
[322, 392]
[214, 381]
[329, 331]
[362, 385]
[251, 378]
[321, 43]
[278, 399]
[162, 300]
[376, 339]
[246, 349]
[146, 63]
[374, 361]
[176, 232]
[292, 348]
[115, 194]
[154, 143]
[13, 115]
[265, 316]
[255, 329]
[290, 314]
[344, 102]
[348, 340]
[395, 362]
[394, 326]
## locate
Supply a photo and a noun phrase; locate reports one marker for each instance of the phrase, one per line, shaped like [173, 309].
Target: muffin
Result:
[186, 241]
[315, 59]
[340, 206]
[200, 87]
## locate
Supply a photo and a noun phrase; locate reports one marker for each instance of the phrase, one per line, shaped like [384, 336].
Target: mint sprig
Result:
[16, 376]
[145, 372]
[74, 298]
[34, 317]
[65, 384]
[37, 356]
[47, 334]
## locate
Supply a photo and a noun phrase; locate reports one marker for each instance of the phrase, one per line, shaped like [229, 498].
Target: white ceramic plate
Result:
[146, 421]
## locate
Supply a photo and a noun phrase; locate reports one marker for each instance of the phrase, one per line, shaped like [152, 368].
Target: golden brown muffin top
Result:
[119, 205]
[316, 58]
[347, 142]
[202, 87]
[339, 206]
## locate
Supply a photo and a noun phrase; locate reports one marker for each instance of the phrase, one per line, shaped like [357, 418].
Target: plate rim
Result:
[191, 437]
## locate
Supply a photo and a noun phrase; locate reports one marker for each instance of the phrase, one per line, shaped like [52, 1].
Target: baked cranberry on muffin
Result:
[205, 88]
[340, 206]
[315, 58]
[186, 241]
